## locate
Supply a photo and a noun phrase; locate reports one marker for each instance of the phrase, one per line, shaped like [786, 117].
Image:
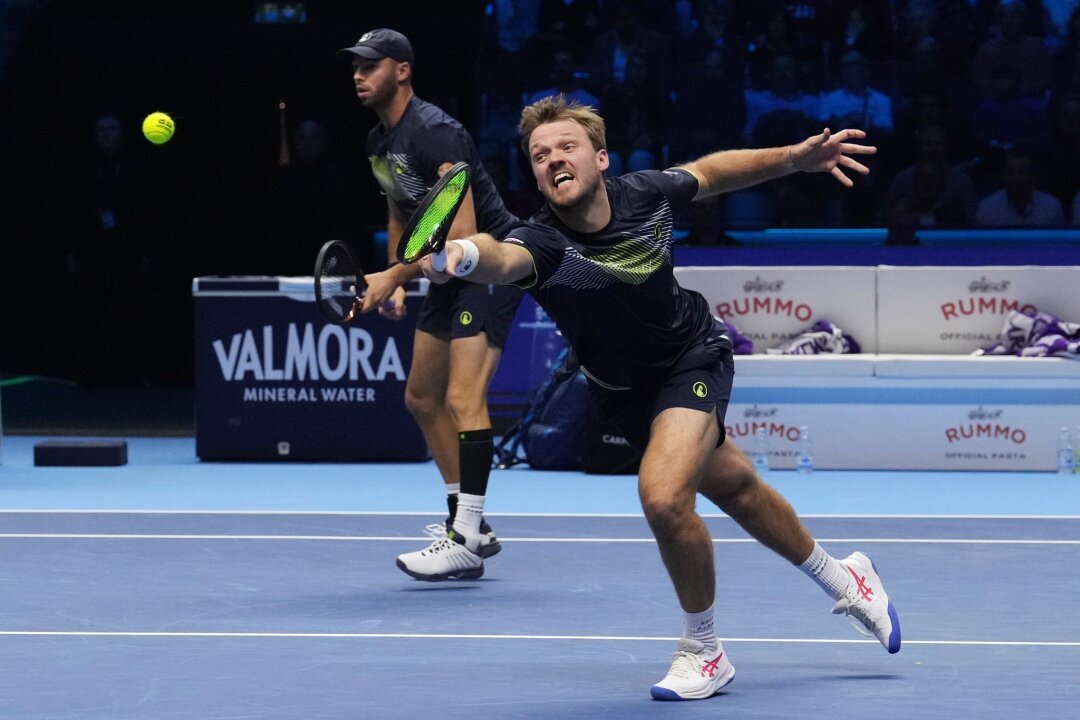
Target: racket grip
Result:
[438, 260]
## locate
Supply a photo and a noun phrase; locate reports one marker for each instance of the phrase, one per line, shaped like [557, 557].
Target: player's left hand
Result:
[829, 152]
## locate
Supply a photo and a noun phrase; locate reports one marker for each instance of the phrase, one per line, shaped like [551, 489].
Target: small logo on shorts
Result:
[700, 389]
[466, 318]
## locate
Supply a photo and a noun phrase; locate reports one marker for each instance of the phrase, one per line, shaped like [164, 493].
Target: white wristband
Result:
[470, 258]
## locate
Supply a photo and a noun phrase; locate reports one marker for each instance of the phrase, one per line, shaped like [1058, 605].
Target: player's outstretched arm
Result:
[731, 170]
[479, 259]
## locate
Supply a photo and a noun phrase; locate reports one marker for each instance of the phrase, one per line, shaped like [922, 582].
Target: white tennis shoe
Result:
[448, 558]
[489, 544]
[695, 674]
[867, 604]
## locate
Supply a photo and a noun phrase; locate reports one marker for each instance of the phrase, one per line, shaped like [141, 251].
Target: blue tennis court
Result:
[170, 588]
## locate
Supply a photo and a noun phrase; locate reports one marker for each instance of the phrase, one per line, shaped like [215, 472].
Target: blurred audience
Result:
[1019, 203]
[566, 80]
[783, 90]
[311, 199]
[855, 103]
[931, 192]
[638, 114]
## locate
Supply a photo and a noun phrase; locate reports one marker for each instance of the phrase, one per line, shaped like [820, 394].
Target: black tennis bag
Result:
[559, 430]
[550, 432]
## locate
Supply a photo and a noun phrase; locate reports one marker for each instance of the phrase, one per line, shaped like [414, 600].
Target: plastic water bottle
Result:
[804, 462]
[761, 451]
[1065, 452]
[1076, 451]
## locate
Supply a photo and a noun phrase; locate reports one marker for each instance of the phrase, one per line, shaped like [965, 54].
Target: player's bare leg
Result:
[732, 484]
[425, 397]
[671, 470]
[472, 365]
[668, 484]
[459, 549]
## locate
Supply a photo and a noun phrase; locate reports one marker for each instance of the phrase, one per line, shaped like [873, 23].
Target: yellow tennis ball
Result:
[158, 128]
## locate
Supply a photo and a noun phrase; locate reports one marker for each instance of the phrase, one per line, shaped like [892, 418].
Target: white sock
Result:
[826, 571]
[699, 626]
[453, 488]
[470, 508]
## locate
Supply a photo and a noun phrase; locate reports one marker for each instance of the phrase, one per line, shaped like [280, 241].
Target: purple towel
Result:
[820, 338]
[1036, 334]
[741, 345]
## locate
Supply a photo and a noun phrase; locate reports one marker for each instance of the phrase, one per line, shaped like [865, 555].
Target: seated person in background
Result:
[1009, 50]
[1006, 116]
[710, 89]
[609, 59]
[640, 109]
[931, 191]
[783, 92]
[564, 81]
[855, 103]
[1019, 203]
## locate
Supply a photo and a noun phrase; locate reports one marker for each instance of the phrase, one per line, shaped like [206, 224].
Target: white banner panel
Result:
[771, 305]
[907, 437]
[957, 310]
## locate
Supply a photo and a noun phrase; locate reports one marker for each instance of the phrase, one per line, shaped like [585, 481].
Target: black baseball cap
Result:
[384, 42]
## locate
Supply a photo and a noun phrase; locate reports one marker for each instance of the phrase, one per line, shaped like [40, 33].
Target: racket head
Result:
[427, 228]
[339, 282]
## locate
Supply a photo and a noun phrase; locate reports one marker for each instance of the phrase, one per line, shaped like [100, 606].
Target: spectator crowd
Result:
[973, 104]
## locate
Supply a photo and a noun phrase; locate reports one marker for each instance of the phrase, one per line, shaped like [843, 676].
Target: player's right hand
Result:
[440, 267]
[385, 295]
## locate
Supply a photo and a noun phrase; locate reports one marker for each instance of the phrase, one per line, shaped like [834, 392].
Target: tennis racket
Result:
[427, 229]
[339, 283]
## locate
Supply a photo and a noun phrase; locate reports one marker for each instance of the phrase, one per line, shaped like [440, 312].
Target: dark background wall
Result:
[203, 198]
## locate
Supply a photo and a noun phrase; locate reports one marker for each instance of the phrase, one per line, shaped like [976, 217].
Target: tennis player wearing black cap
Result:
[462, 327]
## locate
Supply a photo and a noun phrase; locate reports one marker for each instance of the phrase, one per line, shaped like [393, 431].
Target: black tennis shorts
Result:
[460, 309]
[701, 380]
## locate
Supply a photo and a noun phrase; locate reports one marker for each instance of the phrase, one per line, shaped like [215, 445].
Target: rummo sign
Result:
[901, 436]
[772, 305]
[957, 310]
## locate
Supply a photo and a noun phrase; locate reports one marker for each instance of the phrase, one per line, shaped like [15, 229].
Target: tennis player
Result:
[462, 326]
[597, 257]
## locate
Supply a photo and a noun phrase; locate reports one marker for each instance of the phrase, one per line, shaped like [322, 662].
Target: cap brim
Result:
[361, 51]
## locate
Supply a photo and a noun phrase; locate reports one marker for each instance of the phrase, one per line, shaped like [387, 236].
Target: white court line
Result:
[478, 636]
[425, 513]
[391, 538]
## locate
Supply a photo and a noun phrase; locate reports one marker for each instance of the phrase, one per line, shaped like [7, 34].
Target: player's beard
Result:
[581, 201]
[380, 96]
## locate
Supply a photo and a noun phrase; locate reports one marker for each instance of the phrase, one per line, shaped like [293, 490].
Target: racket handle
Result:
[438, 260]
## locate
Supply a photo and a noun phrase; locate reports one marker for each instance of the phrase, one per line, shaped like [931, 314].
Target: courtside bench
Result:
[934, 407]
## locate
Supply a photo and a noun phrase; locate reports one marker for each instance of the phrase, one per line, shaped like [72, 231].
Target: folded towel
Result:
[1036, 334]
[820, 338]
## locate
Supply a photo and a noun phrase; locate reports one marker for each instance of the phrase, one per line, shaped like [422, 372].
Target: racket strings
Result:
[337, 285]
[434, 220]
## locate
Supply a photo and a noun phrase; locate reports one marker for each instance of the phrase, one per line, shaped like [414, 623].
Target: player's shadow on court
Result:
[456, 585]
